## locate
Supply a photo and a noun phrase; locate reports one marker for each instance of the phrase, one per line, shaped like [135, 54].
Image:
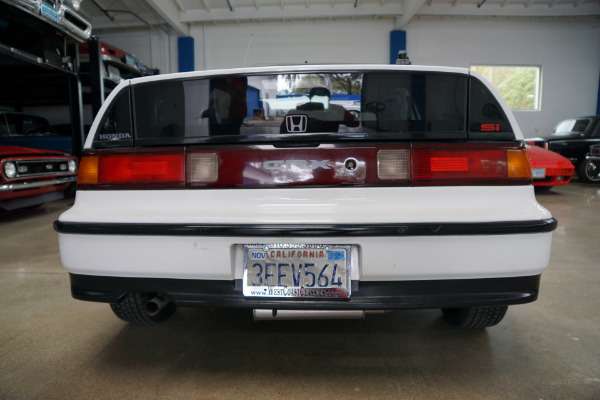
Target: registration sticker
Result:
[297, 270]
[538, 173]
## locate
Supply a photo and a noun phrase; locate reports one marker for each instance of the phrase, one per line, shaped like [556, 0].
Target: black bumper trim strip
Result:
[380, 295]
[398, 229]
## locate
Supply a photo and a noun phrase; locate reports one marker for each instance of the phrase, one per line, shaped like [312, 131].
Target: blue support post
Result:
[185, 52]
[397, 43]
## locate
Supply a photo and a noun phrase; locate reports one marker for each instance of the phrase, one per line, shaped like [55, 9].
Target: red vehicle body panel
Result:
[559, 170]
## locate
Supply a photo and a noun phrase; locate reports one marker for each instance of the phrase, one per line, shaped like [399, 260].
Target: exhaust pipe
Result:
[156, 304]
[263, 315]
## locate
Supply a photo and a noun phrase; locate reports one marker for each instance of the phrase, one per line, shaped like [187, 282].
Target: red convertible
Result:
[29, 177]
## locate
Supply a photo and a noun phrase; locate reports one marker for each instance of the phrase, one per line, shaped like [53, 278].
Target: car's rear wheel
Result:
[143, 308]
[474, 317]
[589, 171]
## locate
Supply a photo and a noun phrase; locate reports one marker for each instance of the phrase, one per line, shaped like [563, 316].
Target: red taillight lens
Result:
[141, 169]
[154, 170]
[452, 164]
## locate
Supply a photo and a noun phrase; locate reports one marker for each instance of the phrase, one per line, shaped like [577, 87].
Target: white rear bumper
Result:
[377, 258]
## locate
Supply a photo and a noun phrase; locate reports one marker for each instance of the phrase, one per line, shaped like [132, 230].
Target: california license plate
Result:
[297, 270]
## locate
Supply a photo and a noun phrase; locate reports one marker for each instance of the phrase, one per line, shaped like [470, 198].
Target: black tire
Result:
[588, 171]
[474, 317]
[133, 309]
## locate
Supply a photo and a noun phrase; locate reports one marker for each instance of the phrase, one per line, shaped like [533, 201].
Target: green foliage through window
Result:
[519, 85]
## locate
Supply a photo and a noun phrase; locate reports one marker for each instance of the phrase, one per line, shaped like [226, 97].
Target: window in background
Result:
[519, 85]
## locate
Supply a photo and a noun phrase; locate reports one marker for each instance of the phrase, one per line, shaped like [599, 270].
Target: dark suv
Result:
[572, 138]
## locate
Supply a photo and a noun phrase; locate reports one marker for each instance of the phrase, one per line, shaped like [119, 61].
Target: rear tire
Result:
[474, 317]
[133, 309]
[589, 171]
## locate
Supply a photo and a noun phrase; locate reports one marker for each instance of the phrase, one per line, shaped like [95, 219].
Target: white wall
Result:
[569, 53]
[292, 42]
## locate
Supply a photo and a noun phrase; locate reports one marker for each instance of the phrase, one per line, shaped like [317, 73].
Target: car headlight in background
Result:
[10, 169]
[72, 166]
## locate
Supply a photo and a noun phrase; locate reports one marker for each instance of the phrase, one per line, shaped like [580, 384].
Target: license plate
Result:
[538, 173]
[297, 270]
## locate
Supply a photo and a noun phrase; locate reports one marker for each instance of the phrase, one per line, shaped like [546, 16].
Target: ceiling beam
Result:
[409, 9]
[293, 12]
[169, 11]
[510, 9]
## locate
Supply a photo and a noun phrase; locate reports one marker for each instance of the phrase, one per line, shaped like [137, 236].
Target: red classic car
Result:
[29, 177]
[548, 168]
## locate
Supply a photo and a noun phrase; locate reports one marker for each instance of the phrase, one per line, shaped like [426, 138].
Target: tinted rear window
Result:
[388, 105]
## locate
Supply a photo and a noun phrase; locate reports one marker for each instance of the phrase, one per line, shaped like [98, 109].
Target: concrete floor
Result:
[54, 347]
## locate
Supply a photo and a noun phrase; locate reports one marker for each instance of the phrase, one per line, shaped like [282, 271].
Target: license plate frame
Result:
[297, 270]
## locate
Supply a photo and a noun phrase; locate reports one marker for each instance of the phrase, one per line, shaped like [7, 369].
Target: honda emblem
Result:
[296, 123]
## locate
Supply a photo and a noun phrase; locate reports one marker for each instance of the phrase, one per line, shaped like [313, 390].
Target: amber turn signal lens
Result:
[518, 163]
[88, 171]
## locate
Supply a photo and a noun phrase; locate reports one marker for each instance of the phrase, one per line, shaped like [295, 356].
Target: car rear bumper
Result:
[387, 295]
[396, 234]
[387, 252]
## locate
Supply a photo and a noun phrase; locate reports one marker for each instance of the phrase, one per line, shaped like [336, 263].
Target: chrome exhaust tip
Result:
[154, 306]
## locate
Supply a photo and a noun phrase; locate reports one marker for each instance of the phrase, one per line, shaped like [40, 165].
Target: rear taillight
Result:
[136, 169]
[457, 164]
[417, 164]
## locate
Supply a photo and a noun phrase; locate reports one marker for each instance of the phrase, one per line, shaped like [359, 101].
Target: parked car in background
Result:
[548, 168]
[590, 167]
[32, 131]
[29, 177]
[572, 139]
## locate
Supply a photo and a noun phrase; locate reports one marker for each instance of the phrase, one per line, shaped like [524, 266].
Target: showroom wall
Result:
[568, 52]
[292, 42]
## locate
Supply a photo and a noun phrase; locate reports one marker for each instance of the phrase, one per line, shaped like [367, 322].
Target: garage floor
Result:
[54, 347]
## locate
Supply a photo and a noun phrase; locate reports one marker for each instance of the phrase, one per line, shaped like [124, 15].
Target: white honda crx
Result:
[255, 188]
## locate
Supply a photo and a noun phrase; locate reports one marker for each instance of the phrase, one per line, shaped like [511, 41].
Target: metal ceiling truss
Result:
[180, 14]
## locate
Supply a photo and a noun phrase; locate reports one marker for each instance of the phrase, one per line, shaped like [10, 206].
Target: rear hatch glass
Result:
[405, 105]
